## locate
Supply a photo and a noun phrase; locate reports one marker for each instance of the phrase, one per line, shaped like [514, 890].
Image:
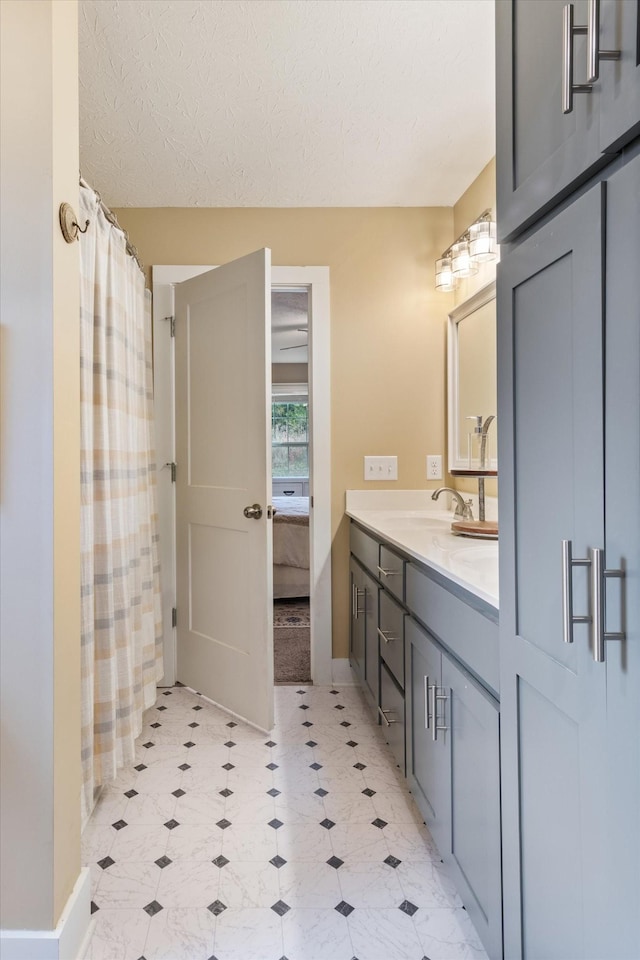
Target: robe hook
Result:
[69, 224]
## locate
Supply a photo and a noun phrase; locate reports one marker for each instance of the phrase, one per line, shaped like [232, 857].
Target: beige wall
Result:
[480, 196]
[40, 504]
[387, 327]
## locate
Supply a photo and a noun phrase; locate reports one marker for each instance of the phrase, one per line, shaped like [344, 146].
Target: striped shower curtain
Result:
[121, 609]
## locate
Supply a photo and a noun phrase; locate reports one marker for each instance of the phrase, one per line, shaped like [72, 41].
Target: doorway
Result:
[313, 283]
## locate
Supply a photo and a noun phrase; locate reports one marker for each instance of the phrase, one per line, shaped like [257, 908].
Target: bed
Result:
[290, 547]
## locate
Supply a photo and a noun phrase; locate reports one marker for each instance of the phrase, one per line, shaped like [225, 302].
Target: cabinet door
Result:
[356, 637]
[371, 672]
[428, 761]
[540, 151]
[620, 938]
[553, 703]
[618, 86]
[472, 718]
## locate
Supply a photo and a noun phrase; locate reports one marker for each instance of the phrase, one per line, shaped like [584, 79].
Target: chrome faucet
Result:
[483, 465]
[463, 507]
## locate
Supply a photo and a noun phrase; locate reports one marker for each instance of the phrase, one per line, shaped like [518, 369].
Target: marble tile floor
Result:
[223, 843]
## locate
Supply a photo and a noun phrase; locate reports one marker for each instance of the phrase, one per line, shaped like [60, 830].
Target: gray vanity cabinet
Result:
[357, 620]
[569, 713]
[363, 645]
[543, 153]
[453, 767]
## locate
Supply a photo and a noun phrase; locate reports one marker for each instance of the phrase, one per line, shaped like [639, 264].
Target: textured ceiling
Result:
[285, 103]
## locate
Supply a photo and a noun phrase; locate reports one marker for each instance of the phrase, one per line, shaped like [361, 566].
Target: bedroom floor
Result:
[292, 641]
[222, 842]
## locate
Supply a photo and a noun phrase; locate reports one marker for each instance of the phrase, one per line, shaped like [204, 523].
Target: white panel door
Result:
[223, 455]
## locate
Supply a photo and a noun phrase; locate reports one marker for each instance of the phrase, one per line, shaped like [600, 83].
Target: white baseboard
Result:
[342, 673]
[63, 943]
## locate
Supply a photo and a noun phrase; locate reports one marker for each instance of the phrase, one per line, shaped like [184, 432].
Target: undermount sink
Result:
[419, 523]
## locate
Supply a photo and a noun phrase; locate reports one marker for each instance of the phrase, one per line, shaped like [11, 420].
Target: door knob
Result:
[254, 512]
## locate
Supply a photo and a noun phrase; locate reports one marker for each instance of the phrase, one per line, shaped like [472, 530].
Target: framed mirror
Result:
[472, 386]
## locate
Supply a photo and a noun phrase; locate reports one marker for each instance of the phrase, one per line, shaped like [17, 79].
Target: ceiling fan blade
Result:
[295, 346]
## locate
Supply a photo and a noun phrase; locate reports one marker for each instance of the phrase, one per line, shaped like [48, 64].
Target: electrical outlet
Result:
[434, 466]
[381, 468]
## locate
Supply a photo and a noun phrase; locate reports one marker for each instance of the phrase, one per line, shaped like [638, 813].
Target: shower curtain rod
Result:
[113, 220]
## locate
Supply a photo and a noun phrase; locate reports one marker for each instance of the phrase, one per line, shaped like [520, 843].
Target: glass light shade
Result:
[445, 280]
[482, 241]
[461, 263]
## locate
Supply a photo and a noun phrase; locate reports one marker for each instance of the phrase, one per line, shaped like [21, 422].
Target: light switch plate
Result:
[434, 466]
[381, 468]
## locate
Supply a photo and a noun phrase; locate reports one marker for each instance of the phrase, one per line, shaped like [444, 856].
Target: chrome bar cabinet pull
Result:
[387, 639]
[383, 714]
[389, 573]
[569, 31]
[427, 715]
[568, 563]
[594, 53]
[597, 612]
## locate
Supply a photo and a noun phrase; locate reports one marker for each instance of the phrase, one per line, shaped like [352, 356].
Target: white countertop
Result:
[421, 528]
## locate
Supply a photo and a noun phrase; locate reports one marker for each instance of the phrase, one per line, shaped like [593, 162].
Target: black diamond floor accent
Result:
[171, 824]
[161, 707]
[327, 824]
[339, 706]
[368, 792]
[307, 723]
[335, 862]
[321, 792]
[272, 766]
[345, 723]
[156, 725]
[311, 743]
[228, 766]
[148, 744]
[119, 824]
[167, 693]
[131, 793]
[277, 861]
[197, 707]
[178, 683]
[220, 861]
[229, 743]
[140, 767]
[407, 907]
[280, 907]
[94, 907]
[194, 725]
[344, 908]
[315, 766]
[226, 792]
[163, 862]
[273, 792]
[275, 823]
[359, 766]
[392, 861]
[189, 744]
[223, 824]
[106, 862]
[334, 692]
[232, 724]
[153, 908]
[270, 743]
[304, 706]
[184, 766]
[178, 793]
[351, 743]
[380, 824]
[301, 691]
[217, 907]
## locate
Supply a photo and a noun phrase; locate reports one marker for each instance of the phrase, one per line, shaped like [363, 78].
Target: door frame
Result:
[316, 281]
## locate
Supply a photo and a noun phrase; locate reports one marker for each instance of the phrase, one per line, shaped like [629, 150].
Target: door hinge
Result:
[174, 617]
[172, 325]
[173, 471]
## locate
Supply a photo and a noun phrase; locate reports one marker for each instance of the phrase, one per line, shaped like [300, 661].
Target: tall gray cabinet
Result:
[568, 300]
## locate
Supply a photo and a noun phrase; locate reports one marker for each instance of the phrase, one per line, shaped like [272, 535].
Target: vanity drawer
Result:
[470, 635]
[391, 572]
[391, 633]
[392, 715]
[365, 548]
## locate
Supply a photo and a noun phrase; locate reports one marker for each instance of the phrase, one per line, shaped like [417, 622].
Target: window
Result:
[290, 438]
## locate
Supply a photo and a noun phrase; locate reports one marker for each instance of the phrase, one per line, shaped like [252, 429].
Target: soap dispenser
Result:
[474, 441]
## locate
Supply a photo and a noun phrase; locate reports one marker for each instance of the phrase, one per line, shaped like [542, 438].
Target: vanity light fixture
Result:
[463, 258]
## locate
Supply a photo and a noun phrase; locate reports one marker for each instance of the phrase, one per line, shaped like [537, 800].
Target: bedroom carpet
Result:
[291, 641]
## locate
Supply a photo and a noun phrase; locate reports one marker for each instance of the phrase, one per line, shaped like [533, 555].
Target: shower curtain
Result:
[120, 588]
